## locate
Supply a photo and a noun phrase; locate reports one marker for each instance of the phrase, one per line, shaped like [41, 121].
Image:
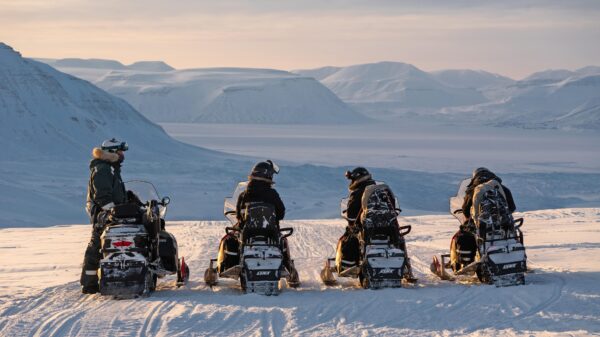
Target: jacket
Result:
[260, 191]
[357, 189]
[481, 179]
[105, 185]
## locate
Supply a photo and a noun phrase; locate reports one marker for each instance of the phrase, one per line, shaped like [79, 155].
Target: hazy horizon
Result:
[512, 38]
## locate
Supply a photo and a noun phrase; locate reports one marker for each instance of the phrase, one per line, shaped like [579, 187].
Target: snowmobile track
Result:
[559, 299]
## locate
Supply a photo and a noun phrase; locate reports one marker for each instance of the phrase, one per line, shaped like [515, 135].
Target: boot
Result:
[408, 274]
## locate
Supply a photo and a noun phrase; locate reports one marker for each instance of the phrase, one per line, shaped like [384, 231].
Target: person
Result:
[360, 179]
[463, 244]
[105, 190]
[260, 189]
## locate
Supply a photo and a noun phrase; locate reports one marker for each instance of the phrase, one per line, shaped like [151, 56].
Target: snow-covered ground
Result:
[39, 292]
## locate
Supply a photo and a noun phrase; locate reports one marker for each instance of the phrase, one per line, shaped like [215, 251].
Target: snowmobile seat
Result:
[126, 213]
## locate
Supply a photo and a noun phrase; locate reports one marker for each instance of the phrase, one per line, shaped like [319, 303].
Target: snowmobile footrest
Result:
[350, 272]
[233, 272]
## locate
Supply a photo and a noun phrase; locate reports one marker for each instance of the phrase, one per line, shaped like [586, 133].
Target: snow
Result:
[218, 95]
[549, 99]
[376, 86]
[467, 78]
[551, 102]
[39, 291]
[404, 145]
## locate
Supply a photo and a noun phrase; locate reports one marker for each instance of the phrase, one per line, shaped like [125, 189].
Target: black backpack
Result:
[260, 219]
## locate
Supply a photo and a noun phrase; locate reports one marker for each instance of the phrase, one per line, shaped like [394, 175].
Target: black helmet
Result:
[113, 145]
[357, 173]
[264, 170]
[479, 171]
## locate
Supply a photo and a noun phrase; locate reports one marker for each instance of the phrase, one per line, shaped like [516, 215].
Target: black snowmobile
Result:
[490, 246]
[383, 260]
[136, 248]
[255, 257]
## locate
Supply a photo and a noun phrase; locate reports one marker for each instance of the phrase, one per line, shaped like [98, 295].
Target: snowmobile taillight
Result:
[122, 243]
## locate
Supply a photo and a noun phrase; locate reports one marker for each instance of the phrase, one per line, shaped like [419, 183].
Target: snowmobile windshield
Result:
[457, 201]
[229, 207]
[146, 192]
[344, 208]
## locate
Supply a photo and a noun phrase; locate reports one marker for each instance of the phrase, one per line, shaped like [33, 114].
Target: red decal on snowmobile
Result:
[122, 243]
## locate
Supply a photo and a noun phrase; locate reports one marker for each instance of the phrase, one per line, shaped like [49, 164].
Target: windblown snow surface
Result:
[39, 291]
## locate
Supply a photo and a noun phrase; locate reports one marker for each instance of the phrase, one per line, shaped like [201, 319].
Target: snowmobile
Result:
[256, 255]
[490, 245]
[136, 249]
[382, 261]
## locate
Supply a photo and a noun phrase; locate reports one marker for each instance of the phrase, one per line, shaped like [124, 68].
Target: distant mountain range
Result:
[548, 99]
[556, 98]
[214, 95]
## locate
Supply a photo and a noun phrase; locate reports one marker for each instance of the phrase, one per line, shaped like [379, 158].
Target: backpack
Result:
[490, 210]
[378, 207]
[260, 220]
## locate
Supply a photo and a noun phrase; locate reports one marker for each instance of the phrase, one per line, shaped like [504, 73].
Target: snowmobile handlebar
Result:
[518, 223]
[289, 231]
[232, 229]
[403, 230]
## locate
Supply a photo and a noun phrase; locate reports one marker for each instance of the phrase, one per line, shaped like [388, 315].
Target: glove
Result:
[101, 220]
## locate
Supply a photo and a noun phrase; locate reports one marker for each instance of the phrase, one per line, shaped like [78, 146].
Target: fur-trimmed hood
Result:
[100, 154]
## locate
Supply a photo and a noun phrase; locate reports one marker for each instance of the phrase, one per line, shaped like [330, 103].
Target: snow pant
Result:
[463, 248]
[348, 250]
[287, 260]
[91, 261]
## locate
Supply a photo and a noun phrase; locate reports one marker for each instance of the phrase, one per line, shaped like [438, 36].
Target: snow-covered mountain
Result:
[474, 79]
[392, 86]
[549, 99]
[50, 123]
[217, 95]
[49, 113]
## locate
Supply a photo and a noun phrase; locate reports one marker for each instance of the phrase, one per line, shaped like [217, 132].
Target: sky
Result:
[510, 37]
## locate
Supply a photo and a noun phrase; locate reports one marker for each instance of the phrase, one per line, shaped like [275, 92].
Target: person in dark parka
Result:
[464, 238]
[360, 179]
[260, 189]
[105, 190]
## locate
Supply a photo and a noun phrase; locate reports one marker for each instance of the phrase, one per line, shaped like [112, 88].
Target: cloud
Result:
[295, 34]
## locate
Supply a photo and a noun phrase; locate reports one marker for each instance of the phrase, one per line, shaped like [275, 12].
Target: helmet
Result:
[264, 170]
[480, 170]
[357, 173]
[113, 145]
